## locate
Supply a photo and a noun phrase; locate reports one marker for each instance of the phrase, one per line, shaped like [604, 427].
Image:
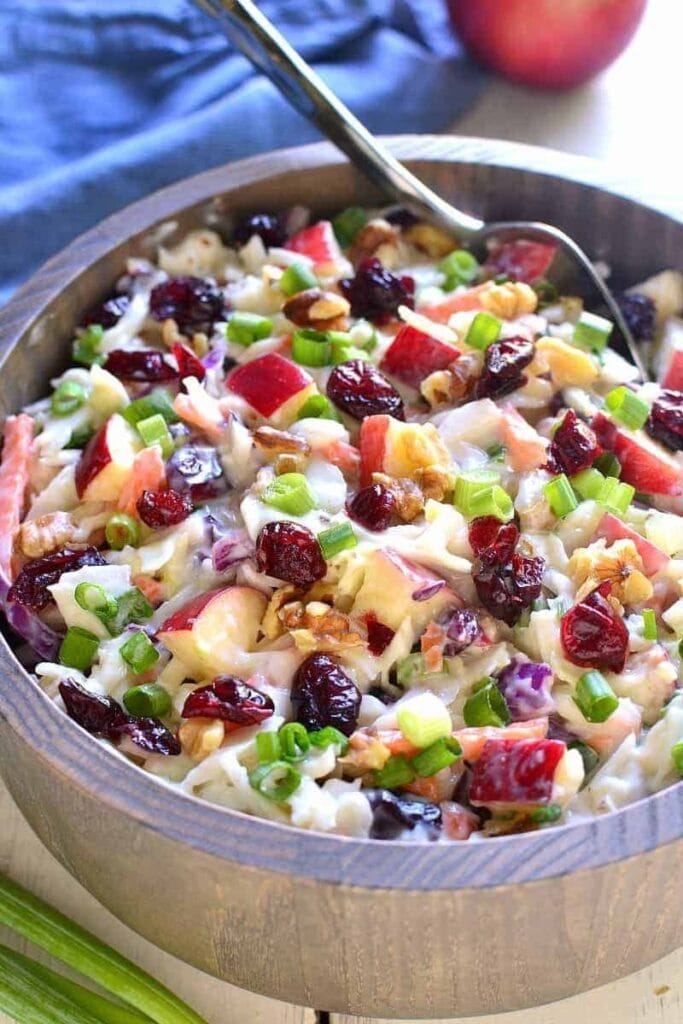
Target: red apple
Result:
[398, 449]
[644, 463]
[318, 242]
[611, 528]
[413, 355]
[672, 377]
[107, 461]
[459, 302]
[552, 44]
[272, 385]
[520, 772]
[214, 630]
[670, 356]
[521, 259]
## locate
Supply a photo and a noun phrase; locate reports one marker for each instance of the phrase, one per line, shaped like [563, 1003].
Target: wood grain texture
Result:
[25, 859]
[301, 915]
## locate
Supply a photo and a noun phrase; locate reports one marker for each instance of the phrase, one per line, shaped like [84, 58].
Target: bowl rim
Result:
[232, 835]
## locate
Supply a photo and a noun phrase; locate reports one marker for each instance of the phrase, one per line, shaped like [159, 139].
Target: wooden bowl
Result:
[377, 928]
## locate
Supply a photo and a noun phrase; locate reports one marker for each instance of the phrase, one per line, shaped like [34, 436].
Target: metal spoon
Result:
[252, 33]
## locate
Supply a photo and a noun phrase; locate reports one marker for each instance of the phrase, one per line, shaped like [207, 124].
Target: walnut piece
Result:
[322, 311]
[199, 737]
[432, 240]
[372, 237]
[510, 300]
[435, 482]
[280, 442]
[454, 384]
[619, 564]
[48, 533]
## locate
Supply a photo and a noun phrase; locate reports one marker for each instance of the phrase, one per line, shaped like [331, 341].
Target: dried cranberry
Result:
[107, 313]
[393, 814]
[232, 700]
[359, 389]
[507, 589]
[379, 635]
[267, 226]
[492, 540]
[188, 364]
[594, 635]
[574, 446]
[373, 507]
[190, 301]
[665, 422]
[638, 311]
[195, 469]
[146, 365]
[30, 586]
[149, 734]
[159, 509]
[503, 364]
[323, 694]
[94, 712]
[290, 552]
[462, 630]
[376, 293]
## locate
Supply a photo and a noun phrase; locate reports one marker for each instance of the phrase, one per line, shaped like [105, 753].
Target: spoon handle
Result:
[251, 32]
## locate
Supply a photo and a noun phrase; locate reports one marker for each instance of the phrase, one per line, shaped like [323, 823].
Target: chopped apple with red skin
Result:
[521, 259]
[518, 772]
[458, 302]
[672, 377]
[413, 355]
[107, 460]
[611, 528]
[398, 449]
[318, 242]
[214, 631]
[644, 463]
[395, 589]
[274, 386]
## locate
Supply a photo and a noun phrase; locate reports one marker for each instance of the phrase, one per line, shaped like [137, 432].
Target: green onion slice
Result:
[294, 741]
[608, 464]
[546, 815]
[91, 597]
[276, 781]
[157, 402]
[459, 267]
[328, 736]
[247, 328]
[44, 926]
[311, 348]
[486, 705]
[592, 332]
[494, 501]
[297, 278]
[431, 760]
[588, 483]
[396, 772]
[468, 485]
[649, 624]
[78, 648]
[677, 756]
[318, 407]
[86, 347]
[290, 493]
[348, 223]
[560, 496]
[337, 538]
[139, 652]
[68, 396]
[131, 607]
[149, 700]
[483, 331]
[267, 747]
[154, 430]
[594, 697]
[616, 496]
[627, 408]
[122, 530]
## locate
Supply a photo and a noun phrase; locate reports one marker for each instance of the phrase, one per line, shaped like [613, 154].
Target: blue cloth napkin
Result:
[101, 103]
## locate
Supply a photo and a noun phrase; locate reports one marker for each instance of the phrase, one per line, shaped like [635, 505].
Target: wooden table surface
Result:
[626, 116]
